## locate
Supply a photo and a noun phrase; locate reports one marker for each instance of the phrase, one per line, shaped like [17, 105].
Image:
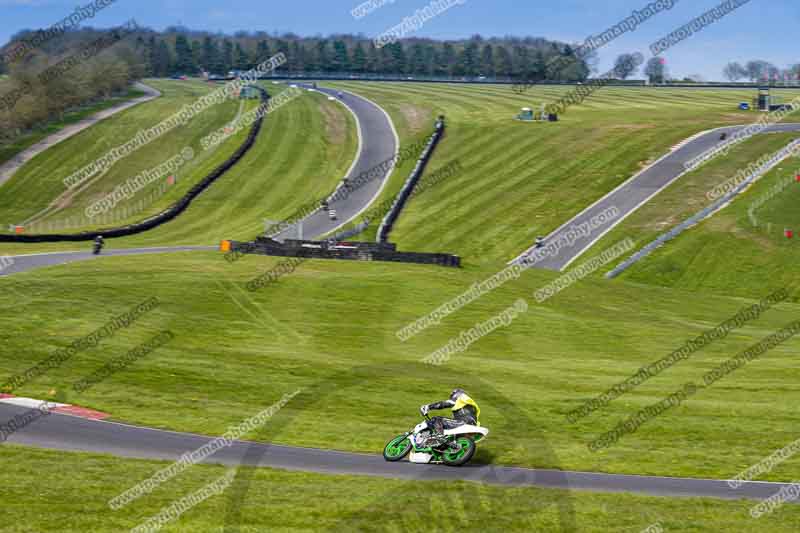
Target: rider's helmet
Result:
[456, 393]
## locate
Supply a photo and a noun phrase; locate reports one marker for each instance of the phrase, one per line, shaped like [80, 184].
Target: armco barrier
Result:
[164, 216]
[708, 211]
[408, 187]
[353, 251]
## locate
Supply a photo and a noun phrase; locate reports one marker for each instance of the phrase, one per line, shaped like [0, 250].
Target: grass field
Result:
[522, 180]
[303, 150]
[726, 253]
[79, 485]
[329, 328]
[39, 183]
[237, 352]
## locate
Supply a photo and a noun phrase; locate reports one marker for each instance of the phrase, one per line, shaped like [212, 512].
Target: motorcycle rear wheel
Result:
[463, 455]
[397, 448]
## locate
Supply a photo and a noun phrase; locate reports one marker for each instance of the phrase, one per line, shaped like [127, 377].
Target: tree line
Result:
[757, 70]
[66, 73]
[180, 51]
[760, 70]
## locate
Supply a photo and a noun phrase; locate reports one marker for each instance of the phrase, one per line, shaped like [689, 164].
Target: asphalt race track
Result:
[378, 142]
[8, 168]
[64, 432]
[24, 263]
[636, 192]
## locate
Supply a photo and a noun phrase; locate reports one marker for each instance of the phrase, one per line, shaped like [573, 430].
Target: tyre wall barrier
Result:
[408, 187]
[165, 216]
[354, 251]
[352, 232]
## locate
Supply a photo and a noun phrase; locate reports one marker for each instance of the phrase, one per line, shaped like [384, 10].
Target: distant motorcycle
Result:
[98, 246]
[454, 448]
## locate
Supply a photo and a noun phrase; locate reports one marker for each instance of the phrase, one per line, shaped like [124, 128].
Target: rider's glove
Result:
[424, 410]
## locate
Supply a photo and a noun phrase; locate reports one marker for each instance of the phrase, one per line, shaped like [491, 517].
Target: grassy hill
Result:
[330, 328]
[303, 150]
[725, 254]
[521, 180]
[39, 183]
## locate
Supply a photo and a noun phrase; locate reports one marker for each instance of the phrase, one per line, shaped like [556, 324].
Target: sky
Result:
[760, 29]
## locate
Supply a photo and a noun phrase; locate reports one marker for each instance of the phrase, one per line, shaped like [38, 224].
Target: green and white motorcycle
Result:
[455, 448]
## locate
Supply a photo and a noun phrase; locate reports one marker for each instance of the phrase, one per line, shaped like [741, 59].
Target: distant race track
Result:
[378, 143]
[634, 193]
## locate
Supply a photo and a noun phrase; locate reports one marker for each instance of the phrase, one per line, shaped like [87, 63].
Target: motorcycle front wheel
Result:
[462, 455]
[397, 448]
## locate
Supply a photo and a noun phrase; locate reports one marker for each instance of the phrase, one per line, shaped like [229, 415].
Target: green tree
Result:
[151, 52]
[341, 59]
[487, 61]
[262, 51]
[399, 56]
[448, 64]
[387, 61]
[163, 62]
[213, 55]
[283, 47]
[373, 59]
[418, 61]
[469, 59]
[359, 59]
[323, 58]
[197, 53]
[299, 57]
[227, 56]
[241, 61]
[430, 59]
[503, 62]
[522, 64]
[184, 60]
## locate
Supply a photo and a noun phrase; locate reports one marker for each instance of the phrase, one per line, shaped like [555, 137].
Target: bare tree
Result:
[656, 70]
[625, 66]
[759, 70]
[734, 71]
